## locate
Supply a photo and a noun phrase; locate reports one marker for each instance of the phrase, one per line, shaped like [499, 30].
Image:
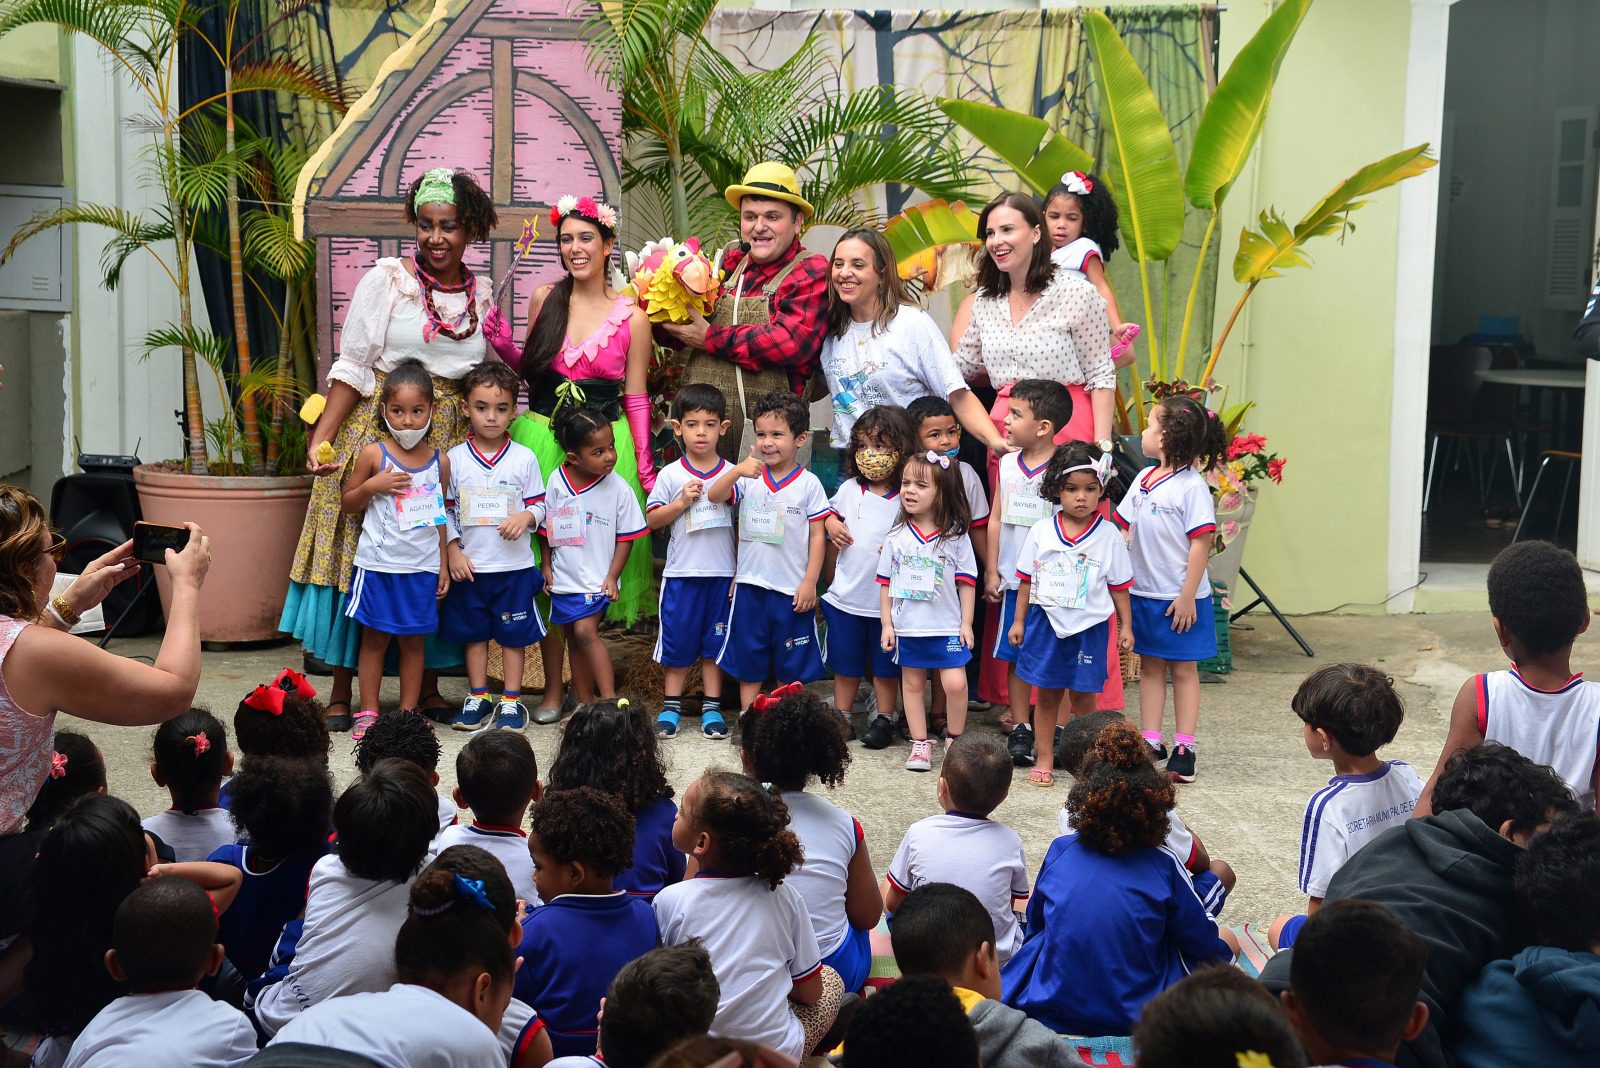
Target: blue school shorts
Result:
[390, 603]
[1003, 649]
[768, 639]
[934, 651]
[1290, 930]
[571, 607]
[853, 646]
[1213, 895]
[1153, 634]
[1076, 662]
[853, 959]
[693, 611]
[495, 605]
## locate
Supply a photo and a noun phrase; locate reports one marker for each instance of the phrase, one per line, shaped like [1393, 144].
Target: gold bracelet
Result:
[64, 610]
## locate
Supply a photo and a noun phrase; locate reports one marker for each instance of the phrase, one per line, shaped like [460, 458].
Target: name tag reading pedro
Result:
[421, 505]
[1062, 581]
[1024, 507]
[486, 506]
[706, 514]
[916, 578]
[761, 523]
[565, 523]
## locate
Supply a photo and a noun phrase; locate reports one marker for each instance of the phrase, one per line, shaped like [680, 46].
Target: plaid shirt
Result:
[798, 320]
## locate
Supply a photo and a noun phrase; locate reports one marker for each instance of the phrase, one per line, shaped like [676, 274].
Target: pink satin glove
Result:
[637, 408]
[498, 333]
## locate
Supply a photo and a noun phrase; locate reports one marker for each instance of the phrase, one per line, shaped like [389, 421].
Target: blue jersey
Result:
[656, 862]
[265, 902]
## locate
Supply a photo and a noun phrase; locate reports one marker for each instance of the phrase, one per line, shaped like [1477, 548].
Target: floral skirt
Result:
[319, 578]
[637, 595]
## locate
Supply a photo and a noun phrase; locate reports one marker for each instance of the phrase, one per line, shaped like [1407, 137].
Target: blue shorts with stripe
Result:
[1076, 662]
[1003, 649]
[693, 610]
[495, 605]
[403, 603]
[768, 639]
[933, 651]
[853, 645]
[571, 607]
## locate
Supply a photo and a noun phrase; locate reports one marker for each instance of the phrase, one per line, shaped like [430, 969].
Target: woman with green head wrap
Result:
[427, 305]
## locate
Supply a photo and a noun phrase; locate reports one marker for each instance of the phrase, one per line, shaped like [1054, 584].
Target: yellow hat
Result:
[771, 181]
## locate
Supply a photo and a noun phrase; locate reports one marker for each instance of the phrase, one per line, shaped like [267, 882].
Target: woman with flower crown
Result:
[428, 306]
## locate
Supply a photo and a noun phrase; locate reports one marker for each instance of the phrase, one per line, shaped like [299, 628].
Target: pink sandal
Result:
[360, 722]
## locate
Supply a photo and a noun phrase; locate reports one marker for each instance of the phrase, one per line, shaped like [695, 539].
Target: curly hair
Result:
[495, 375]
[474, 208]
[1191, 434]
[1355, 703]
[1496, 783]
[612, 747]
[1209, 1018]
[460, 917]
[1555, 883]
[992, 282]
[915, 1022]
[300, 731]
[1078, 736]
[1099, 209]
[799, 738]
[1072, 454]
[584, 825]
[385, 821]
[282, 805]
[404, 734]
[575, 427]
[748, 825]
[84, 773]
[191, 753]
[408, 372]
[786, 406]
[952, 512]
[1120, 802]
[1536, 591]
[883, 426]
[23, 531]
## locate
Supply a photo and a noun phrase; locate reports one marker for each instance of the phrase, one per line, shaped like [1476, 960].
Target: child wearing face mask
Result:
[862, 511]
[398, 483]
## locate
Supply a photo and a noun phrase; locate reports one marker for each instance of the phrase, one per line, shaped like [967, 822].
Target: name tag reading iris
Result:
[916, 578]
[421, 505]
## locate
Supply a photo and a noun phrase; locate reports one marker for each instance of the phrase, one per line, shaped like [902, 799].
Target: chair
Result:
[1466, 413]
[1568, 456]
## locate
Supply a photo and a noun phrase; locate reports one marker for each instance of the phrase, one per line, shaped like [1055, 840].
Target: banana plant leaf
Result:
[1022, 142]
[931, 241]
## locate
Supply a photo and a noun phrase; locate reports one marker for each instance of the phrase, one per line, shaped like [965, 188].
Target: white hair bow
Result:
[1102, 468]
[1078, 183]
[939, 458]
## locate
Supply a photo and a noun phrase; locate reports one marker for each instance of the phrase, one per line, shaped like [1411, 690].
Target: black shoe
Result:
[1019, 743]
[1181, 766]
[1158, 750]
[879, 733]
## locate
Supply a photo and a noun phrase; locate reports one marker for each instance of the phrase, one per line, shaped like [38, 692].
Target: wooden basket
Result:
[532, 669]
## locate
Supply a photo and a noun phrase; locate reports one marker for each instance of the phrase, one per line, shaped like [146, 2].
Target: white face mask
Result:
[407, 439]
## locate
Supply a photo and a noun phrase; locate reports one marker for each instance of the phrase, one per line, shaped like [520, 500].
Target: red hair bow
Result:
[202, 744]
[270, 697]
[765, 702]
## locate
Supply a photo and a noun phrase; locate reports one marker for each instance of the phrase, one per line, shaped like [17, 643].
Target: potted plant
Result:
[1236, 484]
[240, 477]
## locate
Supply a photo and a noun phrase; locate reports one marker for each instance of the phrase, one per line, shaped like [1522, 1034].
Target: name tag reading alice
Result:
[763, 523]
[705, 514]
[486, 506]
[916, 578]
[1025, 507]
[566, 524]
[420, 506]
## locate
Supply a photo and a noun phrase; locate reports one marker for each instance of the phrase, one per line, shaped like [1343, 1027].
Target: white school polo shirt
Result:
[854, 588]
[974, 853]
[509, 846]
[601, 512]
[761, 943]
[483, 491]
[1348, 813]
[1165, 515]
[977, 496]
[1075, 255]
[193, 837]
[405, 1026]
[775, 520]
[923, 573]
[707, 551]
[1072, 578]
[1018, 506]
[1557, 728]
[172, 1029]
[830, 836]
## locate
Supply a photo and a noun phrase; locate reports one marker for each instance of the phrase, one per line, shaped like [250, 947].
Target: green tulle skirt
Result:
[637, 588]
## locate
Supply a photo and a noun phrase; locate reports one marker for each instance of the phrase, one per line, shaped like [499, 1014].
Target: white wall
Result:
[1511, 65]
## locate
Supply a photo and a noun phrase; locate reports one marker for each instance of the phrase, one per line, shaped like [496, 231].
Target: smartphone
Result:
[152, 540]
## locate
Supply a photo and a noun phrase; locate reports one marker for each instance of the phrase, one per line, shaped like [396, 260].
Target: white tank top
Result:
[25, 745]
[1560, 728]
[385, 545]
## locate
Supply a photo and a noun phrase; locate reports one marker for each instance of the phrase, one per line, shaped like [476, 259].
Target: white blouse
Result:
[383, 325]
[1065, 337]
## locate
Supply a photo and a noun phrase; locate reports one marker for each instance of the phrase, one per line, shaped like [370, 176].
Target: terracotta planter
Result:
[253, 524]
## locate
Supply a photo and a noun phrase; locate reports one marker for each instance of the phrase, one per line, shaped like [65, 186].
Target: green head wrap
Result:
[437, 187]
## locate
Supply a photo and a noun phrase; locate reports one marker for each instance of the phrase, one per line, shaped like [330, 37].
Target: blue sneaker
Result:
[510, 716]
[667, 724]
[475, 712]
[712, 725]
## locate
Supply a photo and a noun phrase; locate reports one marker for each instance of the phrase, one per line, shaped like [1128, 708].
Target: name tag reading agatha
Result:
[1024, 507]
[566, 524]
[1062, 581]
[916, 578]
[761, 523]
[420, 506]
[706, 514]
[487, 506]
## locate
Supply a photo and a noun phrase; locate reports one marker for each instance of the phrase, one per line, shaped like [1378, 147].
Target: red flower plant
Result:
[1246, 443]
[1275, 470]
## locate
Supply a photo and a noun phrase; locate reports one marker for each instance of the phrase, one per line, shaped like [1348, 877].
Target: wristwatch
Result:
[1105, 444]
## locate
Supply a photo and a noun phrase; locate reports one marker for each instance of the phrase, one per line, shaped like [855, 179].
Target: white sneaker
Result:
[921, 758]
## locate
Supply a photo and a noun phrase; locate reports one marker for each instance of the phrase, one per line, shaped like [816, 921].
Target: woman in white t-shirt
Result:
[883, 349]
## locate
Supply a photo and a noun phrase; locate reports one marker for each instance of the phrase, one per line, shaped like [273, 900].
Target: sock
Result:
[511, 695]
[711, 708]
[1183, 739]
[671, 709]
[1153, 737]
[479, 691]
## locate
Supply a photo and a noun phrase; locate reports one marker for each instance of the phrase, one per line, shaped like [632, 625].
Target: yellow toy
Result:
[325, 453]
[672, 278]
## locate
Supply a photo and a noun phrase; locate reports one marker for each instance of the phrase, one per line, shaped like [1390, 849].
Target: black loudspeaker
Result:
[95, 513]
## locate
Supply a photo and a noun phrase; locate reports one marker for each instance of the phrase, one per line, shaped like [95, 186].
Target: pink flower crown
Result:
[585, 208]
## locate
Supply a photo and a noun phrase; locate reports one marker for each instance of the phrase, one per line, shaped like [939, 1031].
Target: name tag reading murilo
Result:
[761, 523]
[1025, 507]
[916, 578]
[705, 514]
[486, 506]
[420, 506]
[1062, 581]
[566, 524]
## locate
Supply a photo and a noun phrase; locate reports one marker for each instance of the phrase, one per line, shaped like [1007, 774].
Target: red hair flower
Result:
[58, 765]
[202, 744]
[766, 702]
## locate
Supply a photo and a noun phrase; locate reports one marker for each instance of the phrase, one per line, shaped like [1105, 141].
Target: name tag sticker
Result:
[420, 506]
[565, 522]
[486, 506]
[762, 523]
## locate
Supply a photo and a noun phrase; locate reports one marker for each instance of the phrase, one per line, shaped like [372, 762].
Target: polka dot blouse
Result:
[1065, 337]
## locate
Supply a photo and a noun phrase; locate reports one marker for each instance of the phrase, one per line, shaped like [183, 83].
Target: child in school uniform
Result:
[592, 518]
[574, 945]
[281, 718]
[163, 942]
[656, 1000]
[774, 988]
[788, 737]
[772, 625]
[411, 738]
[963, 845]
[356, 899]
[610, 746]
[497, 777]
[864, 508]
[191, 760]
[497, 493]
[700, 559]
[1172, 518]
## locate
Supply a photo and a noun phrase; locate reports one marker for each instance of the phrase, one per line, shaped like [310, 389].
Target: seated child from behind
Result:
[656, 1000]
[281, 718]
[1349, 712]
[916, 1023]
[942, 930]
[163, 943]
[497, 777]
[1217, 1017]
[963, 845]
[191, 760]
[1538, 707]
[410, 737]
[575, 944]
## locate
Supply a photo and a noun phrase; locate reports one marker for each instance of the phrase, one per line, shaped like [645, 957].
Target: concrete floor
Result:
[1255, 775]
